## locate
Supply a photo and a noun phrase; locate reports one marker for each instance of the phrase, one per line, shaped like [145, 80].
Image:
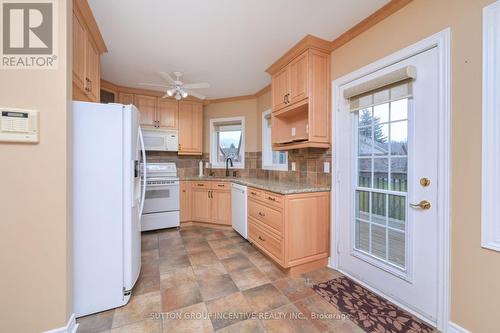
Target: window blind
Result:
[227, 126]
[383, 89]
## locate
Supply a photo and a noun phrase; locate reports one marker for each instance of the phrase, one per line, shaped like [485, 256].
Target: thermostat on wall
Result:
[18, 125]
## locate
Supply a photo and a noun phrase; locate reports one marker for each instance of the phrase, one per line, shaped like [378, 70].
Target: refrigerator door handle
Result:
[144, 175]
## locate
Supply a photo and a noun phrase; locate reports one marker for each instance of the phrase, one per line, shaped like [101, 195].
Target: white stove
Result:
[161, 204]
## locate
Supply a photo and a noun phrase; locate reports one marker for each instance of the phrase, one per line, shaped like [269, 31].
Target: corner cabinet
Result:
[213, 202]
[88, 45]
[300, 91]
[190, 128]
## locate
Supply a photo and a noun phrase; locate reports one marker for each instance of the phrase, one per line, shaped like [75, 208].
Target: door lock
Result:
[424, 181]
[424, 204]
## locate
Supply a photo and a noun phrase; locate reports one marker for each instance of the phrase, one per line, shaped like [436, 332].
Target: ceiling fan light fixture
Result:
[170, 92]
[184, 94]
[178, 96]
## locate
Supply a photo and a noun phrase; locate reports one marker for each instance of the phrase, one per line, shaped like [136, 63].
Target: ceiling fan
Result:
[176, 88]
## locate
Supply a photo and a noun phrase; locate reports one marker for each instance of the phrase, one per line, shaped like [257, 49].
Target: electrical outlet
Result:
[293, 166]
[293, 131]
[326, 167]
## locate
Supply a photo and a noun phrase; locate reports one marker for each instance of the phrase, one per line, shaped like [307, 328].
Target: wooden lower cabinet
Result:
[221, 207]
[201, 204]
[208, 202]
[185, 201]
[293, 230]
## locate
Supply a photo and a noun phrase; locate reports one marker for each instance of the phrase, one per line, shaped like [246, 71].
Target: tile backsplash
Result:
[309, 164]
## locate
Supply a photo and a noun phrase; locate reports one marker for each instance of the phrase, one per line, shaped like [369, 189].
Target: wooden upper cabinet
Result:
[190, 128]
[299, 82]
[280, 84]
[93, 77]
[79, 52]
[147, 109]
[168, 113]
[301, 96]
[88, 45]
[125, 98]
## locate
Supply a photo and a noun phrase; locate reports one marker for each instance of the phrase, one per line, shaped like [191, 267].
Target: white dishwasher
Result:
[239, 208]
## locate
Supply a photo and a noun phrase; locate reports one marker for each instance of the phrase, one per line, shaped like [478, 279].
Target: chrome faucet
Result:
[227, 167]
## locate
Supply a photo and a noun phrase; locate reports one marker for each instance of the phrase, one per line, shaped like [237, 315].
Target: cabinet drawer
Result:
[221, 186]
[201, 184]
[272, 199]
[254, 193]
[270, 217]
[265, 240]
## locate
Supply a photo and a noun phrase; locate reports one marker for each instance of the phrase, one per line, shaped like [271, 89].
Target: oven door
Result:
[161, 197]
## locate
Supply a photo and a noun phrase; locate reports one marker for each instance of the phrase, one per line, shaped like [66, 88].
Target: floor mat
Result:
[368, 310]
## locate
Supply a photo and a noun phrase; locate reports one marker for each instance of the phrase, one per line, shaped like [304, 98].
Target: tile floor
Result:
[209, 280]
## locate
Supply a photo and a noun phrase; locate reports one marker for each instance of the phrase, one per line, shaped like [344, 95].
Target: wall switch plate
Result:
[293, 131]
[293, 166]
[326, 167]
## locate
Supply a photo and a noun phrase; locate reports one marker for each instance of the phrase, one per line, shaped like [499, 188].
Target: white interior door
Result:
[385, 156]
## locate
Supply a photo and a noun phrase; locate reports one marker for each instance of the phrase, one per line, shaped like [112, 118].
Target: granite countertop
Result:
[266, 184]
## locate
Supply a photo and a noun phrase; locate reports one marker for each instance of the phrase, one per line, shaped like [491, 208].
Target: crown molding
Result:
[375, 18]
[82, 6]
[308, 42]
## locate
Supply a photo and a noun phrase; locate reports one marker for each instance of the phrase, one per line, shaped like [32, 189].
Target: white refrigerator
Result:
[108, 196]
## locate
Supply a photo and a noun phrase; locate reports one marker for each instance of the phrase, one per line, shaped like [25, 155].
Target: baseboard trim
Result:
[454, 328]
[70, 327]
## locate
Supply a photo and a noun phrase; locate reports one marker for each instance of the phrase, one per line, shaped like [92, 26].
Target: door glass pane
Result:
[399, 110]
[365, 117]
[365, 141]
[399, 138]
[379, 204]
[365, 172]
[381, 113]
[381, 139]
[397, 248]
[381, 173]
[399, 174]
[397, 212]
[362, 236]
[363, 205]
[378, 241]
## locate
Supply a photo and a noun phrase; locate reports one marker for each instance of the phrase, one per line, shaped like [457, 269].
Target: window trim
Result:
[490, 210]
[271, 166]
[213, 155]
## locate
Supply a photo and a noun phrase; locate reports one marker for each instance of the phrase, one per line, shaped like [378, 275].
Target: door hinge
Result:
[126, 292]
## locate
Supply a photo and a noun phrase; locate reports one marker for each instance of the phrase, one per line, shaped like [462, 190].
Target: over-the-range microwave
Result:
[160, 140]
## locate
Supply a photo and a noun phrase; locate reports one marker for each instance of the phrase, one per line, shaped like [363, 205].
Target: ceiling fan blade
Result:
[154, 85]
[195, 94]
[167, 77]
[199, 85]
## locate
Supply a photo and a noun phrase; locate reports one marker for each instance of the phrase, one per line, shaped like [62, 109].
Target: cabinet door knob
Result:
[271, 198]
[262, 214]
[262, 239]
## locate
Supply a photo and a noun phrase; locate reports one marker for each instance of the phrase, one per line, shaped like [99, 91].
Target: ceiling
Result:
[228, 43]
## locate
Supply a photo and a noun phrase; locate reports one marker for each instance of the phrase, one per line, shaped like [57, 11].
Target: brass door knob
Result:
[424, 204]
[425, 181]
